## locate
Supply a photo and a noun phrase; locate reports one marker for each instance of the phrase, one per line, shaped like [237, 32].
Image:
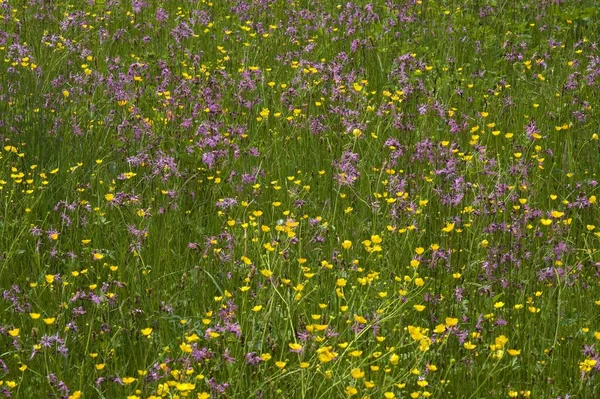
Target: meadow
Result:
[299, 199]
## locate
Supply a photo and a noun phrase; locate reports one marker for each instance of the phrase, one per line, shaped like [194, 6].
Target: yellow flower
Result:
[246, 260]
[416, 333]
[469, 346]
[514, 352]
[546, 222]
[500, 341]
[14, 332]
[128, 380]
[295, 347]
[587, 365]
[50, 320]
[98, 256]
[264, 113]
[347, 244]
[266, 272]
[419, 308]
[185, 348]
[451, 321]
[146, 331]
[109, 197]
[351, 391]
[185, 387]
[34, 316]
[449, 227]
[357, 373]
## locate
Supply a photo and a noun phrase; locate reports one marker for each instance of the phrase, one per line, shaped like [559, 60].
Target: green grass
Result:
[109, 124]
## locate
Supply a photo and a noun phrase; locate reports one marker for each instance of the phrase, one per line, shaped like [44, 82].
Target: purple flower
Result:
[347, 173]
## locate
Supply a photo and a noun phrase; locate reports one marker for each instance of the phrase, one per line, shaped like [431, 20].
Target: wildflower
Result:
[146, 331]
[440, 328]
[416, 333]
[469, 346]
[294, 347]
[448, 228]
[451, 321]
[357, 373]
[587, 365]
[280, 364]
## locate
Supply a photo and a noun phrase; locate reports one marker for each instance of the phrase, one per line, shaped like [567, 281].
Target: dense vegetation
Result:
[269, 198]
